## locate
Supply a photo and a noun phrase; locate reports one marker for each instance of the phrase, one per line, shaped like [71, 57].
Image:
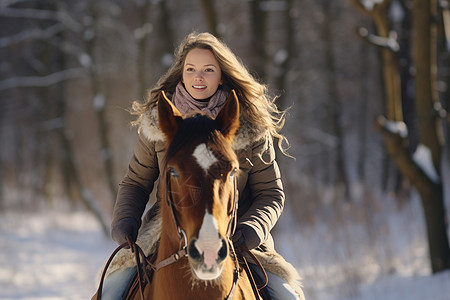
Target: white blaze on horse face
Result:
[209, 242]
[205, 157]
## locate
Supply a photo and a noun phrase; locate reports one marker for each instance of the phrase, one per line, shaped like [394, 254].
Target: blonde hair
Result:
[256, 105]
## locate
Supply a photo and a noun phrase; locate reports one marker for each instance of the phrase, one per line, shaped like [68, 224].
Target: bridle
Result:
[181, 233]
[182, 252]
[144, 265]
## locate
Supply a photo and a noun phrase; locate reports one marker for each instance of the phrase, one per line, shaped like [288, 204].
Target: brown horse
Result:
[198, 203]
[198, 206]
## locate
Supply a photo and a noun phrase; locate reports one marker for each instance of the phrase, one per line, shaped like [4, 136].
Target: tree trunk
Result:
[100, 104]
[289, 47]
[258, 17]
[166, 32]
[391, 74]
[334, 105]
[210, 16]
[142, 45]
[445, 63]
[430, 130]
[2, 169]
[362, 131]
[435, 217]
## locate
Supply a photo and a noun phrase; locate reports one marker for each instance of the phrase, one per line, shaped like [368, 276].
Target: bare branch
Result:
[6, 3]
[30, 13]
[72, 49]
[41, 81]
[29, 34]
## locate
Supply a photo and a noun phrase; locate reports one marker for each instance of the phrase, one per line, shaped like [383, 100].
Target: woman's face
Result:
[201, 73]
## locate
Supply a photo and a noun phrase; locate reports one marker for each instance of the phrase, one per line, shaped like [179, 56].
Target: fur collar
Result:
[246, 135]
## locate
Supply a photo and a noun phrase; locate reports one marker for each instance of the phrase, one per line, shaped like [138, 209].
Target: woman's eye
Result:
[173, 173]
[209, 70]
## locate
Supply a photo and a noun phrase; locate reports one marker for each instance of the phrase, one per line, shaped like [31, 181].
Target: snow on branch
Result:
[41, 81]
[385, 42]
[369, 4]
[422, 158]
[439, 111]
[394, 127]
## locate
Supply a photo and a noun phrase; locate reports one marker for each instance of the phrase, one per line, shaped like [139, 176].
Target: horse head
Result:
[199, 188]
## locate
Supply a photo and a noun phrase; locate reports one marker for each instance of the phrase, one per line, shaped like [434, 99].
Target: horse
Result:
[198, 203]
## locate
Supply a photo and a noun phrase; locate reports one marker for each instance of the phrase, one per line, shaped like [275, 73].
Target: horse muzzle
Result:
[206, 259]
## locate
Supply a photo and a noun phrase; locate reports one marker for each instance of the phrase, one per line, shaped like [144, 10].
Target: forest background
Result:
[349, 72]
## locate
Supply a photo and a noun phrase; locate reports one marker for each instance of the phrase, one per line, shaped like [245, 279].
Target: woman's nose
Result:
[198, 76]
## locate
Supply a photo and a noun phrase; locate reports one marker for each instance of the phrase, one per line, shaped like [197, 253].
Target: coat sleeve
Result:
[136, 186]
[267, 195]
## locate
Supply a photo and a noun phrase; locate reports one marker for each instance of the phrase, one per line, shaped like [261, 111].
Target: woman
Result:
[203, 73]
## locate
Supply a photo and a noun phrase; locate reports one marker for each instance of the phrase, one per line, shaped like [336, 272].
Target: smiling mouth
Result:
[199, 87]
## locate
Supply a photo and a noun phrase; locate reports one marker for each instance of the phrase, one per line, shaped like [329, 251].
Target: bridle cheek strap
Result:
[233, 222]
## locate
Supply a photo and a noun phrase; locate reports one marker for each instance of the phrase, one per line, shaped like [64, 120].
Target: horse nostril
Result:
[193, 250]
[223, 251]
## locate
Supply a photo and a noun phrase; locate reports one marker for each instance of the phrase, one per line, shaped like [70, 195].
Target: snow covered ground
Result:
[57, 256]
[54, 256]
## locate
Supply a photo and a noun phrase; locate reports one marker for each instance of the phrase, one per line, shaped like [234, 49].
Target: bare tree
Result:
[45, 80]
[422, 167]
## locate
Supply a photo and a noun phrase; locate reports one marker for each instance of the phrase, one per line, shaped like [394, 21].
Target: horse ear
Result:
[169, 117]
[228, 117]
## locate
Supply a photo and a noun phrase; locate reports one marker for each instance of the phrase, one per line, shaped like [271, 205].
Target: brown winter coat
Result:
[261, 195]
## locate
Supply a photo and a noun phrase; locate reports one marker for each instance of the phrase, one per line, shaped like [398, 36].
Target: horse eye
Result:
[173, 173]
[233, 172]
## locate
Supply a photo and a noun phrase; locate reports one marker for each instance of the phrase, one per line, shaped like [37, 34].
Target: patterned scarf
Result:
[185, 103]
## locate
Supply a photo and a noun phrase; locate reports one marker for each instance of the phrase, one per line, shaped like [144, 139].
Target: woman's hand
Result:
[123, 228]
[245, 236]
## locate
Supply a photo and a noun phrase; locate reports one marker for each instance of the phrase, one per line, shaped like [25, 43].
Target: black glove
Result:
[123, 228]
[245, 236]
